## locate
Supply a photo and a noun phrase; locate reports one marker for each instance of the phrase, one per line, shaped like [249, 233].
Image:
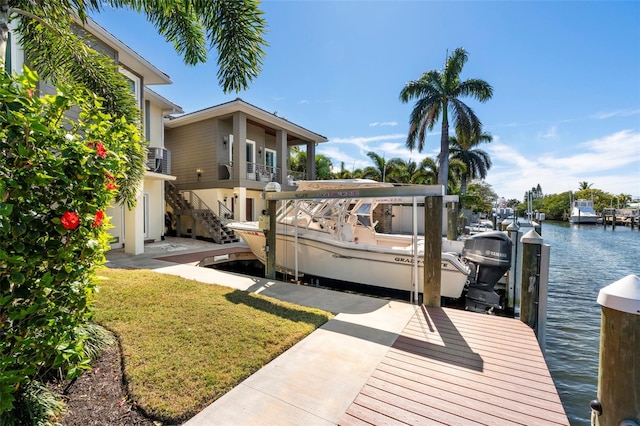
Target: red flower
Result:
[111, 186]
[102, 153]
[70, 220]
[91, 144]
[109, 176]
[99, 218]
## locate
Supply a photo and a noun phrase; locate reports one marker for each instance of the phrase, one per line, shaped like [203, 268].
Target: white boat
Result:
[481, 226]
[582, 212]
[336, 239]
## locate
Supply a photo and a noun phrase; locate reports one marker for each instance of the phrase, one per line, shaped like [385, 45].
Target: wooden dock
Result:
[211, 257]
[460, 368]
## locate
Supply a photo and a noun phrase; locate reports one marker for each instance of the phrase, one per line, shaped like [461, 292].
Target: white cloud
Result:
[384, 123]
[610, 162]
[617, 113]
[365, 143]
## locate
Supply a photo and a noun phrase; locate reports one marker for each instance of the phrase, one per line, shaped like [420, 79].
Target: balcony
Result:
[159, 160]
[255, 172]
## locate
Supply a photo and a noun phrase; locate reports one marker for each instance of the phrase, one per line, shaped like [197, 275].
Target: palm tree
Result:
[402, 171]
[381, 168]
[584, 185]
[437, 92]
[457, 169]
[427, 172]
[477, 161]
[45, 28]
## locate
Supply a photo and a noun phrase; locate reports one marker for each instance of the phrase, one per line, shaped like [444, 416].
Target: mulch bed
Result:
[99, 396]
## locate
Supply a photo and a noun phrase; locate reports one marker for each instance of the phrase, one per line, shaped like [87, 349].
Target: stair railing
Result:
[224, 212]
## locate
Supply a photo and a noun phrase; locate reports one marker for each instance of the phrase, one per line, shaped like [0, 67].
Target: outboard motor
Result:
[490, 253]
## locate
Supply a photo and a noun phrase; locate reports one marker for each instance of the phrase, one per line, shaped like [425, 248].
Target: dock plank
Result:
[455, 367]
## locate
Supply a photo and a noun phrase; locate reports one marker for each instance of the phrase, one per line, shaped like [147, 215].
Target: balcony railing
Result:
[159, 160]
[255, 172]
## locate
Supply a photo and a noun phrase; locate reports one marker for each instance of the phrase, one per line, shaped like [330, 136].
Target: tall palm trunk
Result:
[463, 183]
[443, 158]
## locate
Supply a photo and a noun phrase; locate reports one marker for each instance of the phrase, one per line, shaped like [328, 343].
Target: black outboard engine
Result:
[490, 252]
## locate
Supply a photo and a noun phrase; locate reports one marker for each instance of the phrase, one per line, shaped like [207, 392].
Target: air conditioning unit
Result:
[158, 160]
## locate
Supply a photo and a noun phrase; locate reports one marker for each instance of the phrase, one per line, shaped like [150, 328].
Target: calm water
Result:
[584, 259]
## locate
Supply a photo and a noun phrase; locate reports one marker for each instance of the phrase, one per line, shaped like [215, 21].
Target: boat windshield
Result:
[363, 213]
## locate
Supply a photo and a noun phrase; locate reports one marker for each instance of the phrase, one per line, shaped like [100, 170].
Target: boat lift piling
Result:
[432, 251]
[618, 402]
[534, 284]
[398, 194]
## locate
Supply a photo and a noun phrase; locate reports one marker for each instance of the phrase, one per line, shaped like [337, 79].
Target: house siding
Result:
[155, 125]
[193, 147]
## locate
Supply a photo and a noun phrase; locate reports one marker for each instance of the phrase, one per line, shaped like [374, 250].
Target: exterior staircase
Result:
[187, 203]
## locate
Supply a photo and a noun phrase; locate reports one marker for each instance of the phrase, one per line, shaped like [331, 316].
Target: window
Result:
[251, 154]
[270, 160]
[134, 84]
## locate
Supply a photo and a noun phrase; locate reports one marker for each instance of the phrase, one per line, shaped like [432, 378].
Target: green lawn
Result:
[185, 344]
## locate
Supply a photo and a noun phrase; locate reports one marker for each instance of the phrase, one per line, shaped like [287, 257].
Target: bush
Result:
[57, 177]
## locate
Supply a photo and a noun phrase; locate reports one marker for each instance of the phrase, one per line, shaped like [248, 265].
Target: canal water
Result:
[584, 259]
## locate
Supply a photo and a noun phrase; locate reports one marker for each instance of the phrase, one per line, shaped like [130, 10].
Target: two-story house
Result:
[204, 167]
[224, 156]
[146, 222]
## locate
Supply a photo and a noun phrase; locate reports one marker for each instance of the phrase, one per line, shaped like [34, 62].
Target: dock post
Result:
[543, 292]
[432, 251]
[530, 282]
[270, 272]
[511, 283]
[452, 221]
[270, 237]
[618, 402]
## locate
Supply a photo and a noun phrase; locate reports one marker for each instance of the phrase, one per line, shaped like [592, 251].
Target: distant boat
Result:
[582, 212]
[481, 226]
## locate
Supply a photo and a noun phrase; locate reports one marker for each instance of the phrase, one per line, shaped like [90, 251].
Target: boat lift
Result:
[433, 202]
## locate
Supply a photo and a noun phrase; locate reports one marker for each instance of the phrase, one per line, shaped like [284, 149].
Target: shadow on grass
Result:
[287, 312]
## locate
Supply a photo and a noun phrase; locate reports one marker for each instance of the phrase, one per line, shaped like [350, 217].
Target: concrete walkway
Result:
[314, 382]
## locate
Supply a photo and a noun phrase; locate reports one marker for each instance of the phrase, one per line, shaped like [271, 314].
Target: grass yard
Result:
[185, 344]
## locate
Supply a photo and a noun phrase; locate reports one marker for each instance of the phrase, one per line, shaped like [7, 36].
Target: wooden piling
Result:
[619, 365]
[270, 272]
[613, 220]
[432, 251]
[530, 281]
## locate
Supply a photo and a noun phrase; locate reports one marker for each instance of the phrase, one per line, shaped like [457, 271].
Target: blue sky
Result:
[566, 79]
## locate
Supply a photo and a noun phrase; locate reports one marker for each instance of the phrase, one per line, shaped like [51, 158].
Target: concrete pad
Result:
[317, 379]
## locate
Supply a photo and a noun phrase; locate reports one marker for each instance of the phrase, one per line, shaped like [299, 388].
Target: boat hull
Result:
[389, 268]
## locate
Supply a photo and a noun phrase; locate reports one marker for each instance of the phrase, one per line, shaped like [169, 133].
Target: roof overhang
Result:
[166, 105]
[126, 56]
[254, 114]
[158, 176]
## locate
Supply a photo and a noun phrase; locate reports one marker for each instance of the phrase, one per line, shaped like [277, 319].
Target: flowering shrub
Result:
[57, 177]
